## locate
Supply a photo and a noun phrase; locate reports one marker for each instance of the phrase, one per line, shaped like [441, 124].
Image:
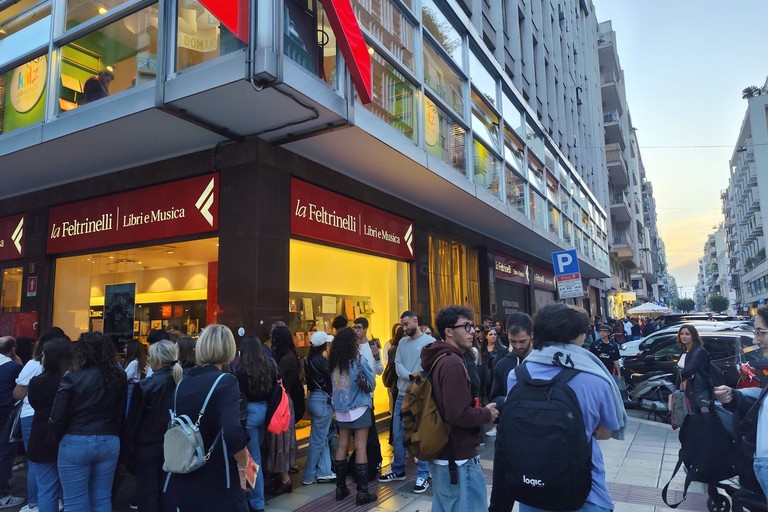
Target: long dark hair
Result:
[186, 351]
[343, 351]
[134, 349]
[52, 333]
[258, 367]
[696, 339]
[282, 343]
[58, 356]
[95, 349]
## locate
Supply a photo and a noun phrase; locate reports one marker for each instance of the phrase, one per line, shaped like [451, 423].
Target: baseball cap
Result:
[319, 338]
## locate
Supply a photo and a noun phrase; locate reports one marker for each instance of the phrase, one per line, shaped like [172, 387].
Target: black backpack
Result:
[545, 451]
[707, 450]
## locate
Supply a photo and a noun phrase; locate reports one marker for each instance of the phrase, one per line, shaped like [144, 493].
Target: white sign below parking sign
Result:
[567, 274]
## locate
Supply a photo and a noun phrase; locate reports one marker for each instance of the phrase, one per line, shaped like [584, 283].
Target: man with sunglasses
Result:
[407, 361]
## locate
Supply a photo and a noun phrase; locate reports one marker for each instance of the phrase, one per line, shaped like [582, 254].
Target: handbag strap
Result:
[309, 359]
[685, 488]
[205, 403]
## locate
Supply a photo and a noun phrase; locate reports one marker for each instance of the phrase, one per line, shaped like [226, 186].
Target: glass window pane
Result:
[484, 121]
[442, 30]
[554, 220]
[10, 293]
[393, 97]
[536, 176]
[444, 137]
[515, 190]
[23, 103]
[567, 231]
[487, 169]
[201, 36]
[513, 117]
[534, 141]
[552, 189]
[387, 24]
[112, 59]
[22, 14]
[538, 206]
[443, 80]
[565, 202]
[483, 80]
[301, 40]
[80, 11]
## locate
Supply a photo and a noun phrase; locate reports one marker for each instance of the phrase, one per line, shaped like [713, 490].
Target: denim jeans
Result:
[319, 455]
[255, 428]
[587, 507]
[48, 486]
[398, 446]
[760, 466]
[86, 468]
[469, 495]
[26, 428]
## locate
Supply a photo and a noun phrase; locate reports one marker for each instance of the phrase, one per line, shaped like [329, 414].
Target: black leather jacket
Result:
[316, 371]
[148, 414]
[85, 405]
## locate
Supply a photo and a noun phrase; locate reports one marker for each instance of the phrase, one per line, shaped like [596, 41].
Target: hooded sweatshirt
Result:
[451, 387]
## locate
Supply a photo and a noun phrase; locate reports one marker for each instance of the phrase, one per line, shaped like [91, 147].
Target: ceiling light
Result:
[102, 10]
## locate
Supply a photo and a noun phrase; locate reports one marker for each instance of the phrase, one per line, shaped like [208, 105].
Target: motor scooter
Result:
[649, 391]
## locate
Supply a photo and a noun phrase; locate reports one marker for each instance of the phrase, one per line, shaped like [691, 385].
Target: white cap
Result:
[319, 338]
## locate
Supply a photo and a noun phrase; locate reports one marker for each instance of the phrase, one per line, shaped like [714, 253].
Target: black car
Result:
[726, 349]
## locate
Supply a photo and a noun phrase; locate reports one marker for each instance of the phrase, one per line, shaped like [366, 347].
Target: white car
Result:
[632, 348]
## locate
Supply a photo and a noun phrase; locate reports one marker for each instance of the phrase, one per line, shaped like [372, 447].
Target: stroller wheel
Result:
[718, 503]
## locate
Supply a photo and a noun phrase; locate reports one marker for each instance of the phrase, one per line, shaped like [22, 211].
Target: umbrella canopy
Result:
[649, 308]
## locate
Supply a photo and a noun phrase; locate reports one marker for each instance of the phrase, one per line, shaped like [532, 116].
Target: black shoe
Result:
[341, 467]
[293, 469]
[361, 477]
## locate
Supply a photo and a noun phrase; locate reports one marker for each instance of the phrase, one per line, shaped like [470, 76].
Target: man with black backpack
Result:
[560, 400]
[457, 476]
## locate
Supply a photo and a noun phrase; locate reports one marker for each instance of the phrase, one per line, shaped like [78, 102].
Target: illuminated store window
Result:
[19, 15]
[80, 11]
[441, 79]
[10, 294]
[170, 287]
[487, 169]
[438, 26]
[115, 58]
[23, 95]
[200, 36]
[384, 21]
[393, 97]
[453, 275]
[444, 137]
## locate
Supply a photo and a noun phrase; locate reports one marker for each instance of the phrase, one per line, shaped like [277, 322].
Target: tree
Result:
[718, 303]
[751, 91]
[685, 305]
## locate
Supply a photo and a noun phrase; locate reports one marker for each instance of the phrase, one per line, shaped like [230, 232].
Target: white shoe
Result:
[491, 433]
[28, 508]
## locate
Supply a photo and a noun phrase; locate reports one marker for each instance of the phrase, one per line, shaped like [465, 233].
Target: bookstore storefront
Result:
[125, 263]
[511, 286]
[350, 259]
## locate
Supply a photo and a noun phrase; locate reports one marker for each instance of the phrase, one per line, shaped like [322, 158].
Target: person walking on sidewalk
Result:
[352, 404]
[407, 361]
[457, 475]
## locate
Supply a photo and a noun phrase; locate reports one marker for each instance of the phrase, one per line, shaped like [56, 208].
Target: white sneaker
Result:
[422, 484]
[28, 508]
[10, 501]
[491, 433]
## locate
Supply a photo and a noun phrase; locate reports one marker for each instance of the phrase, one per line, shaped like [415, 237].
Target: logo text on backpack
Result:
[533, 482]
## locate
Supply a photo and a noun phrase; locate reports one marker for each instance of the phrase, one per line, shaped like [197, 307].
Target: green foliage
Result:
[718, 303]
[685, 305]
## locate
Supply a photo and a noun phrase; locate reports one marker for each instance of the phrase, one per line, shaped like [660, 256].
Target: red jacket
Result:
[451, 387]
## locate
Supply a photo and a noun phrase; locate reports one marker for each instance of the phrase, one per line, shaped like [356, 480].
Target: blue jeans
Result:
[87, 468]
[398, 446]
[255, 428]
[26, 428]
[760, 466]
[469, 495]
[319, 455]
[48, 486]
[587, 507]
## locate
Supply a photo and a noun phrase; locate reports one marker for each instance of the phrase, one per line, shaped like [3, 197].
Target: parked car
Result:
[685, 318]
[631, 348]
[727, 349]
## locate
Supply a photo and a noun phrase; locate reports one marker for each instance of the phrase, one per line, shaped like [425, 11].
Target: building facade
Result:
[168, 164]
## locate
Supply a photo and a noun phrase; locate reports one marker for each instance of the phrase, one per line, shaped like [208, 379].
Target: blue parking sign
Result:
[565, 262]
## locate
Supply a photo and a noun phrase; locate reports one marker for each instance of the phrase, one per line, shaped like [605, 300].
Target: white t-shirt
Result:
[31, 369]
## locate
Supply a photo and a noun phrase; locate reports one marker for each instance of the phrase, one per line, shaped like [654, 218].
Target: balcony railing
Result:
[611, 117]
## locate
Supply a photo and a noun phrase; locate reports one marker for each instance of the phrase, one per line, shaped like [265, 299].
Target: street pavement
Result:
[636, 469]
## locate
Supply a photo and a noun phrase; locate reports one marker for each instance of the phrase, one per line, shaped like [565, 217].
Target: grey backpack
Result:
[183, 447]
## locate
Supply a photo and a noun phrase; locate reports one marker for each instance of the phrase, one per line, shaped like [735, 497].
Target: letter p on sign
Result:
[565, 262]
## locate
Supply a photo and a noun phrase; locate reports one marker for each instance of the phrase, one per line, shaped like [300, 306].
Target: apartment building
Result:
[173, 164]
[714, 276]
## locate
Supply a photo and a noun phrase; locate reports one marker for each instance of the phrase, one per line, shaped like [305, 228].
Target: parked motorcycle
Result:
[649, 392]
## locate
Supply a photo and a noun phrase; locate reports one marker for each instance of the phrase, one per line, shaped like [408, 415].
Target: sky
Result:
[685, 64]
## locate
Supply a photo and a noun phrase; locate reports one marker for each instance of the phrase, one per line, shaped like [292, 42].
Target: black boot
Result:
[341, 479]
[361, 477]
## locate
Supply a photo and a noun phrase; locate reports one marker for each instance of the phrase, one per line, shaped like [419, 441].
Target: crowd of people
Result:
[83, 411]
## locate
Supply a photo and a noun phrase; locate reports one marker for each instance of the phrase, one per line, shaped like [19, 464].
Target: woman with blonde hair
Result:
[147, 422]
[220, 483]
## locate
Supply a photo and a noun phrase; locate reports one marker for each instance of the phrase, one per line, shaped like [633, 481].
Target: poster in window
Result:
[119, 303]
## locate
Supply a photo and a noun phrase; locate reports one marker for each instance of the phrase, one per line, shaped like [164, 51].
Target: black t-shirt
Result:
[607, 353]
